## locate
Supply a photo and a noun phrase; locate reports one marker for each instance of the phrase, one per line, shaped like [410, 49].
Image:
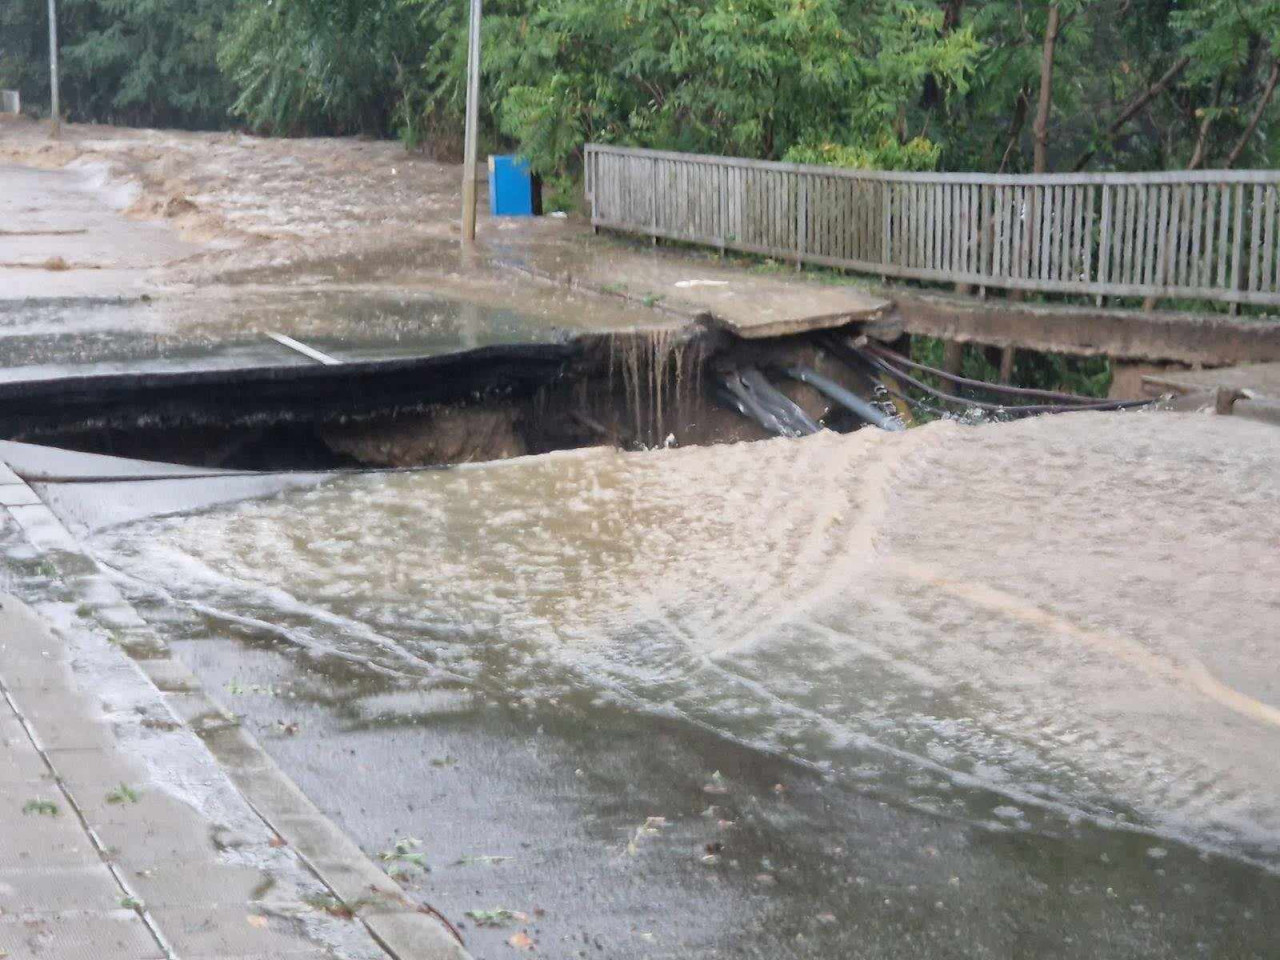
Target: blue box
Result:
[513, 189]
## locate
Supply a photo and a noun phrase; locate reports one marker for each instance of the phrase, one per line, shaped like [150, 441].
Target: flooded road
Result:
[1005, 691]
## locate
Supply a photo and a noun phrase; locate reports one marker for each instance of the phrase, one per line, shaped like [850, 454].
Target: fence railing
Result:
[1205, 235]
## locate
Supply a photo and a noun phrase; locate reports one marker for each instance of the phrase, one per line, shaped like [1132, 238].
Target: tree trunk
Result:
[1020, 106]
[1045, 104]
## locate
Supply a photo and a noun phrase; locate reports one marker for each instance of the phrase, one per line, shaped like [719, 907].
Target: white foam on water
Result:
[1074, 614]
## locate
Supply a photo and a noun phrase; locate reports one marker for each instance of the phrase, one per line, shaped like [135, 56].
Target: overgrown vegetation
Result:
[908, 84]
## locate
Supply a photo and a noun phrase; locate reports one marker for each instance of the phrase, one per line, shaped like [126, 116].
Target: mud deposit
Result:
[1006, 691]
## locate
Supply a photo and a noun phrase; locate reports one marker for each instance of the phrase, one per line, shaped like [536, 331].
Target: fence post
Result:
[802, 211]
[886, 216]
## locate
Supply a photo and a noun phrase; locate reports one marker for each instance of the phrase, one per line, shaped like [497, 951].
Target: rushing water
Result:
[1061, 630]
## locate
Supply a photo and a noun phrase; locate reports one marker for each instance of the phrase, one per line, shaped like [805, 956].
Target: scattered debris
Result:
[257, 920]
[56, 263]
[403, 852]
[132, 903]
[44, 808]
[123, 794]
[650, 828]
[331, 905]
[289, 729]
[521, 941]
[716, 785]
[445, 761]
[470, 860]
[497, 917]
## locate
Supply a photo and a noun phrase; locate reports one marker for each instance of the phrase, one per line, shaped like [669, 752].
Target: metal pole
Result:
[53, 68]
[473, 127]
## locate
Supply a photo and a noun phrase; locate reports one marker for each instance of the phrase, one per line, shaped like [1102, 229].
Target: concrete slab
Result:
[51, 891]
[170, 676]
[414, 935]
[38, 840]
[17, 495]
[190, 885]
[229, 932]
[752, 305]
[1258, 380]
[1207, 338]
[93, 507]
[120, 935]
[32, 462]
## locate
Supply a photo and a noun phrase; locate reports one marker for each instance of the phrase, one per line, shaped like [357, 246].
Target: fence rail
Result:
[1205, 235]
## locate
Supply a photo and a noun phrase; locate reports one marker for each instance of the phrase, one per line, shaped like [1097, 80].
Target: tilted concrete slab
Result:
[1256, 380]
[749, 304]
[32, 462]
[1086, 331]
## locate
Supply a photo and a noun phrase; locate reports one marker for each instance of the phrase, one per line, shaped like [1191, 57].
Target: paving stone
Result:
[230, 932]
[45, 531]
[45, 891]
[361, 880]
[415, 936]
[36, 840]
[318, 838]
[17, 495]
[84, 771]
[156, 830]
[203, 885]
[273, 794]
[120, 935]
[170, 675]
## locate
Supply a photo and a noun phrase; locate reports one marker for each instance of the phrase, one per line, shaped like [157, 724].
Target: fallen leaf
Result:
[257, 921]
[520, 941]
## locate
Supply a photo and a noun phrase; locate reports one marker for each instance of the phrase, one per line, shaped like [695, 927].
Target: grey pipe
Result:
[846, 398]
[754, 396]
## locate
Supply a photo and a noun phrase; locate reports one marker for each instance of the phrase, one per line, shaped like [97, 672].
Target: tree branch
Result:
[1256, 118]
[1134, 108]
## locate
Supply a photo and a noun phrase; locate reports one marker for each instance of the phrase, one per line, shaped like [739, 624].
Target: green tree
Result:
[332, 66]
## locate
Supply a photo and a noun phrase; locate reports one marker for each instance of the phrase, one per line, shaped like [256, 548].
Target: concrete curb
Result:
[405, 930]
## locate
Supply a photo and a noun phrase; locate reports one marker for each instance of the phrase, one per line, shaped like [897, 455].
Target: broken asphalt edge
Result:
[400, 927]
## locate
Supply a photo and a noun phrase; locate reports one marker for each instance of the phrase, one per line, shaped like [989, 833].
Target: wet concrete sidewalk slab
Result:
[750, 304]
[139, 821]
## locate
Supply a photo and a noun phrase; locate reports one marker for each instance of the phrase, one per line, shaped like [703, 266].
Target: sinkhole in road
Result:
[635, 390]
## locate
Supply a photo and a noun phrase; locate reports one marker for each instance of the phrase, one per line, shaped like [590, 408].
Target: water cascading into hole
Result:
[660, 372]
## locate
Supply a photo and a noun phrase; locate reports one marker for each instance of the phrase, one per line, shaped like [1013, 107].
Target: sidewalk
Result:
[125, 832]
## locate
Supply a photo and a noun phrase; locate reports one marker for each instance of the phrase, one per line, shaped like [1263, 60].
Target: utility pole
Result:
[473, 127]
[53, 68]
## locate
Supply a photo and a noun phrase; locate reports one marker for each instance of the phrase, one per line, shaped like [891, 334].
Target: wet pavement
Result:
[1004, 692]
[815, 718]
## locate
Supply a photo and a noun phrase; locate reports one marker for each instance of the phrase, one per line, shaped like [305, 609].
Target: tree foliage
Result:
[912, 84]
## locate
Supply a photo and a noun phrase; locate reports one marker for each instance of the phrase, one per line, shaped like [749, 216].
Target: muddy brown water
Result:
[1003, 691]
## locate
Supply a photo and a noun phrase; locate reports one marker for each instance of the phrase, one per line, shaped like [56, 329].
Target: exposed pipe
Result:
[794, 419]
[1024, 410]
[846, 398]
[898, 358]
[752, 395]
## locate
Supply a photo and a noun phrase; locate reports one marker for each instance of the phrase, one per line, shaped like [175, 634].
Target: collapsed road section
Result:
[686, 386]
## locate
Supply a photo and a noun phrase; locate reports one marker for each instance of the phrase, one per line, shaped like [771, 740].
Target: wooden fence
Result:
[1204, 235]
